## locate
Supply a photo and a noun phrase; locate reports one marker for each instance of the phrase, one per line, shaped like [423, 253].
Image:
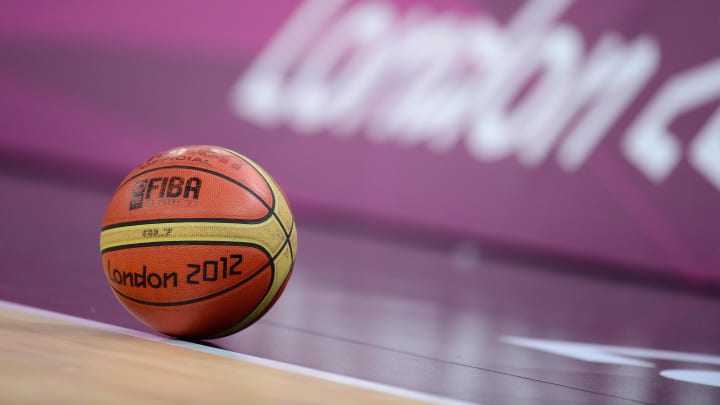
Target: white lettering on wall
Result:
[525, 89]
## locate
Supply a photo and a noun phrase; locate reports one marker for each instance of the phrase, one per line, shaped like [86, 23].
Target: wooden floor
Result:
[47, 360]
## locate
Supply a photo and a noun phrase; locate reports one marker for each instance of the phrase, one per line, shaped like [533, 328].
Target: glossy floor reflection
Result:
[415, 316]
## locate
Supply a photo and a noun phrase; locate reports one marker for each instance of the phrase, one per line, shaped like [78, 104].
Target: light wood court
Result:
[58, 360]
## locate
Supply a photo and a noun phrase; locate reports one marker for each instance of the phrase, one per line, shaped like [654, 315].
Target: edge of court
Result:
[324, 375]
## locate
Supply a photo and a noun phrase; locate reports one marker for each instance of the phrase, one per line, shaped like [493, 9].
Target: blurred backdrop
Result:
[573, 130]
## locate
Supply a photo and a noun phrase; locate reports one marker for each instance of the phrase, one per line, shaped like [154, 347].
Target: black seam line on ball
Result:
[257, 169]
[292, 252]
[184, 242]
[181, 220]
[214, 173]
[286, 233]
[270, 263]
[231, 330]
[282, 226]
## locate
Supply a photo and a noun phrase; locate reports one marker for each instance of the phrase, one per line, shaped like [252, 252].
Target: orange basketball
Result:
[198, 242]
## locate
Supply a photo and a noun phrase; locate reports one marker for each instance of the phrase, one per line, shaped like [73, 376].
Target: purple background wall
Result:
[587, 129]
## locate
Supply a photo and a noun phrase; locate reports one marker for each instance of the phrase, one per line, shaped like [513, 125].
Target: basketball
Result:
[198, 242]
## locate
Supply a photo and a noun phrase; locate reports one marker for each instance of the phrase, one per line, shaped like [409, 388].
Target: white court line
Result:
[323, 375]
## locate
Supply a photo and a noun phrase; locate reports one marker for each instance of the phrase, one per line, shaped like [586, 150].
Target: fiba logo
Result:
[167, 187]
